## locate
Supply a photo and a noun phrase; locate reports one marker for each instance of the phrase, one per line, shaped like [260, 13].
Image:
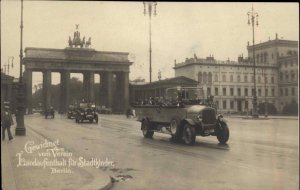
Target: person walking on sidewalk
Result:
[6, 122]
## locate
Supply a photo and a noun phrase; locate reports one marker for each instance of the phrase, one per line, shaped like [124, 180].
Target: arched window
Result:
[231, 78]
[209, 77]
[245, 78]
[200, 77]
[224, 78]
[216, 78]
[204, 77]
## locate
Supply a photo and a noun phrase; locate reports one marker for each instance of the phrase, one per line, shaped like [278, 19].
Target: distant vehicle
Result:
[49, 113]
[103, 110]
[71, 114]
[184, 114]
[86, 112]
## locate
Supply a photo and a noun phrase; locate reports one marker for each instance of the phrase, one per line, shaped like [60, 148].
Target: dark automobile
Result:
[183, 119]
[71, 114]
[86, 113]
[49, 113]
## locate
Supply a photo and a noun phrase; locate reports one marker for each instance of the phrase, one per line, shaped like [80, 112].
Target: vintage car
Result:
[71, 114]
[86, 112]
[49, 112]
[184, 118]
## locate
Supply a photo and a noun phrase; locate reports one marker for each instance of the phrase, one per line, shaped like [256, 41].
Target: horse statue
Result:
[76, 39]
[82, 42]
[70, 42]
[88, 43]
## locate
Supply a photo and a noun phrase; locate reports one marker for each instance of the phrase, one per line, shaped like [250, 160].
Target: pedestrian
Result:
[6, 122]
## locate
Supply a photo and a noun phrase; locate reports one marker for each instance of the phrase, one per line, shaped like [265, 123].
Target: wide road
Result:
[260, 154]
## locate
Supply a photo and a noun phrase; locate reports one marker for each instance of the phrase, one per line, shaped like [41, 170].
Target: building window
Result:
[238, 78]
[273, 92]
[200, 77]
[231, 78]
[246, 104]
[217, 104]
[224, 78]
[239, 91]
[224, 104]
[293, 91]
[281, 92]
[286, 76]
[281, 76]
[292, 76]
[246, 78]
[231, 91]
[208, 91]
[272, 80]
[216, 78]
[204, 77]
[216, 92]
[231, 104]
[272, 56]
[252, 91]
[259, 92]
[266, 92]
[266, 79]
[224, 91]
[286, 91]
[246, 91]
[209, 77]
[259, 79]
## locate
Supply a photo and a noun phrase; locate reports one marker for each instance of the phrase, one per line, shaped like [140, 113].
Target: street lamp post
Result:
[20, 129]
[252, 17]
[151, 6]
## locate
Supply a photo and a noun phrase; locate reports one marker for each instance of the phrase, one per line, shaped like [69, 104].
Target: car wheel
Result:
[189, 134]
[146, 129]
[174, 127]
[222, 133]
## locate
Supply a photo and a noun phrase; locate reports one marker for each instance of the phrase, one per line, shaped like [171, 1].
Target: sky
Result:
[179, 30]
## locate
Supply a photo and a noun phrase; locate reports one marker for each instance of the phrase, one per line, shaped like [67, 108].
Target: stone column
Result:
[126, 90]
[28, 83]
[107, 88]
[64, 91]
[46, 89]
[88, 86]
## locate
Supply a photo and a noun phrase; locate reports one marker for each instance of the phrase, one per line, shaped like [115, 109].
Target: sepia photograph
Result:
[149, 95]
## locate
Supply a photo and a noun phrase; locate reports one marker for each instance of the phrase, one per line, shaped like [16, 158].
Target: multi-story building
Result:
[232, 83]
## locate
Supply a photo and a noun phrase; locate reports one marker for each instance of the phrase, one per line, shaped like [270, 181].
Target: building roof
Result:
[178, 81]
[5, 79]
[274, 43]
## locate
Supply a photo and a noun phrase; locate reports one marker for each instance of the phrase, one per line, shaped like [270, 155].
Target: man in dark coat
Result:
[6, 122]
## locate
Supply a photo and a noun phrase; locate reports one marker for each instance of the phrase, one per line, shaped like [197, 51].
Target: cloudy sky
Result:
[178, 31]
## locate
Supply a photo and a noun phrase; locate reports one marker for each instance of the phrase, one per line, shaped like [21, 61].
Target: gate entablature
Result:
[75, 59]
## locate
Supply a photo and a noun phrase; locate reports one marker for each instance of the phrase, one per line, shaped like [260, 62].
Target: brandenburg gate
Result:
[78, 57]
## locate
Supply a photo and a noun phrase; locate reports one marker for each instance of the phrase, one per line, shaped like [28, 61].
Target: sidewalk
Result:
[40, 178]
[262, 116]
